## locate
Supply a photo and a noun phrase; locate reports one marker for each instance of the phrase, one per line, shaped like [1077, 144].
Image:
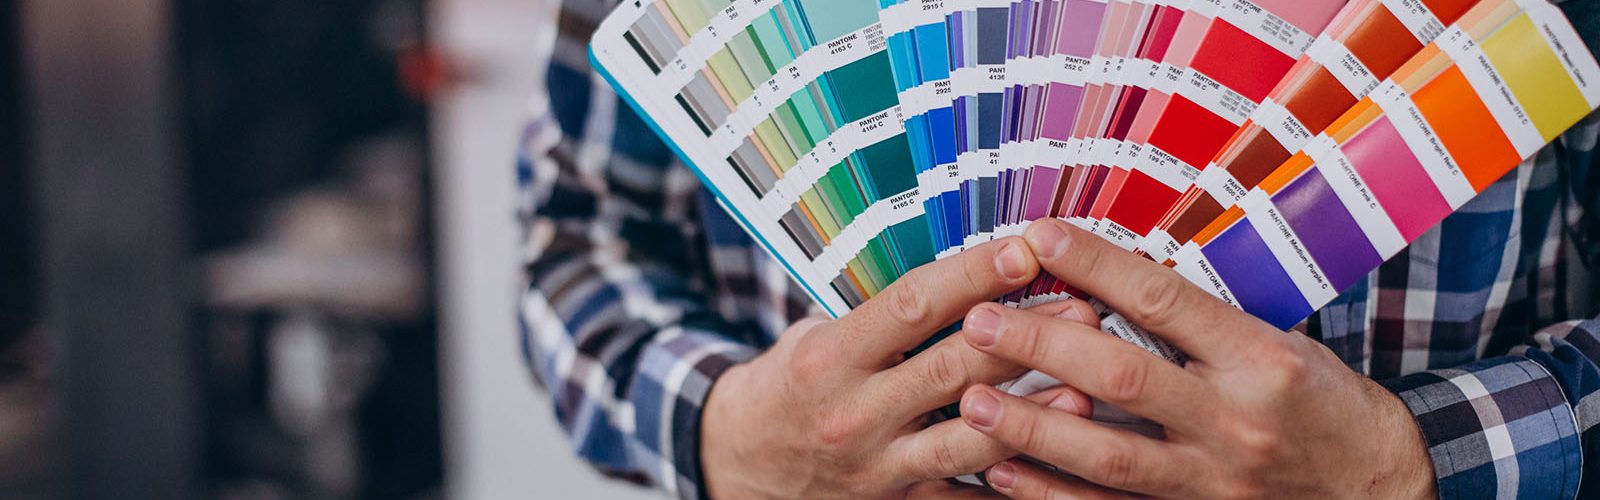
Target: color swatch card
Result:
[1108, 103]
[1365, 45]
[789, 112]
[1197, 98]
[919, 49]
[1034, 26]
[1119, 142]
[1488, 93]
[1116, 50]
[1054, 184]
[1273, 152]
[992, 122]
[1245, 51]
[982, 31]
[1050, 145]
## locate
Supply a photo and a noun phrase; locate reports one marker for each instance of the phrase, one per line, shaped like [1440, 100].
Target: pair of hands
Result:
[835, 410]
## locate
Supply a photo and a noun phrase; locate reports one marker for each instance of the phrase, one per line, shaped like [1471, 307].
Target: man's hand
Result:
[1255, 413]
[831, 410]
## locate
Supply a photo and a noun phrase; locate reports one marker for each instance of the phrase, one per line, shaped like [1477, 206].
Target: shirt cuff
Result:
[1496, 428]
[678, 370]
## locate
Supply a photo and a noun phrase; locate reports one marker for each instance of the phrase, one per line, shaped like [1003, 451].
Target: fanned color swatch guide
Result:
[1273, 152]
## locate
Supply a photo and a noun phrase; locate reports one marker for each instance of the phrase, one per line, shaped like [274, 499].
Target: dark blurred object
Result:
[215, 272]
[310, 216]
[28, 455]
[106, 173]
[321, 344]
[277, 90]
[18, 292]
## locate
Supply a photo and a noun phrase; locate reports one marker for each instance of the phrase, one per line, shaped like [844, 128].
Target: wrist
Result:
[1408, 471]
[723, 436]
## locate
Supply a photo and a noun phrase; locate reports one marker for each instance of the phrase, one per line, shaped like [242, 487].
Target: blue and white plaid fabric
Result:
[640, 291]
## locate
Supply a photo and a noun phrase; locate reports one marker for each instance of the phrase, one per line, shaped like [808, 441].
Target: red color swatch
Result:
[1235, 59]
[1141, 202]
[1190, 132]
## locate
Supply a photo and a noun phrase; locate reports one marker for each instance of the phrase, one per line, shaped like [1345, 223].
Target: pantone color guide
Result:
[1347, 62]
[920, 51]
[1486, 94]
[789, 110]
[1244, 52]
[1273, 152]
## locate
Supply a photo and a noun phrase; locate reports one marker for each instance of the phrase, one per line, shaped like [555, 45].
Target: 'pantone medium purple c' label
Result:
[1327, 229]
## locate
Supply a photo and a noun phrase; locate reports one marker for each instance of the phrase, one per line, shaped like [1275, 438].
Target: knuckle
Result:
[907, 304]
[836, 431]
[1088, 259]
[1125, 379]
[1292, 369]
[1044, 347]
[1283, 366]
[1030, 340]
[1157, 299]
[1114, 467]
[1057, 494]
[809, 361]
[943, 462]
[977, 274]
[1261, 444]
[1240, 490]
[1032, 436]
[945, 370]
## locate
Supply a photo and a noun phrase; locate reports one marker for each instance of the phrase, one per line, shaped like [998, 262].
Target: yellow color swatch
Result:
[1537, 79]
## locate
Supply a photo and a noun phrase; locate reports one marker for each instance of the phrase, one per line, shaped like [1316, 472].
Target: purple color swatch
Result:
[1329, 232]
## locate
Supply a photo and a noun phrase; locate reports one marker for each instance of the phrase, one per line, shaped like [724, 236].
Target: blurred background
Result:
[258, 249]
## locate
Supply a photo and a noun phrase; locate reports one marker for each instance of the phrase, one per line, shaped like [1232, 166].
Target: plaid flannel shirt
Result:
[640, 291]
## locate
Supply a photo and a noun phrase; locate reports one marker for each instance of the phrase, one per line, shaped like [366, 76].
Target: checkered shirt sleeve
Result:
[1501, 427]
[616, 320]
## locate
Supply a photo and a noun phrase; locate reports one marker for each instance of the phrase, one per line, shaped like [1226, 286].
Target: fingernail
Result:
[1010, 262]
[1048, 240]
[1002, 475]
[1064, 402]
[982, 326]
[981, 409]
[1072, 314]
